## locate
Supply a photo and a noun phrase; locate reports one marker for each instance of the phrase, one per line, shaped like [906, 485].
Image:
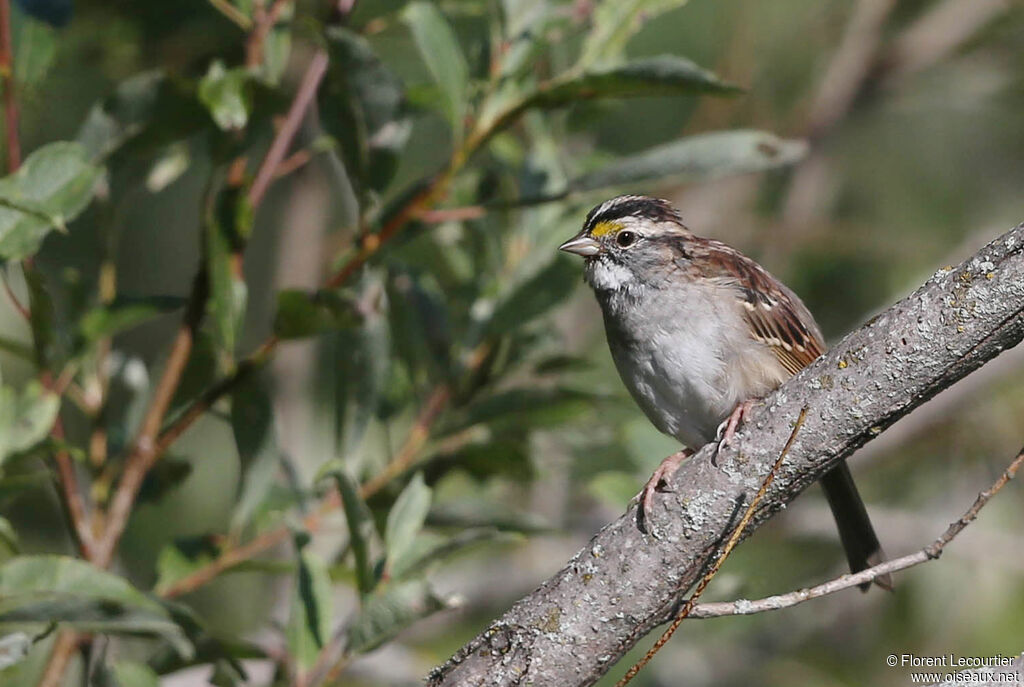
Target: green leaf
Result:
[36, 48]
[430, 549]
[360, 361]
[227, 228]
[662, 75]
[361, 529]
[25, 418]
[439, 48]
[8, 537]
[132, 674]
[309, 625]
[37, 590]
[696, 158]
[523, 408]
[301, 314]
[534, 297]
[362, 105]
[180, 559]
[386, 613]
[405, 519]
[226, 93]
[42, 318]
[149, 109]
[125, 313]
[277, 48]
[615, 22]
[50, 189]
[252, 422]
[167, 475]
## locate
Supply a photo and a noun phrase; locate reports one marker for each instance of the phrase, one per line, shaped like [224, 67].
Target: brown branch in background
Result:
[63, 649]
[78, 513]
[734, 539]
[144, 452]
[928, 553]
[13, 298]
[283, 140]
[265, 20]
[10, 100]
[940, 31]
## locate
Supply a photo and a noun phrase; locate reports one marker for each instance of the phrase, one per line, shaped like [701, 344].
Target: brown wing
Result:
[776, 315]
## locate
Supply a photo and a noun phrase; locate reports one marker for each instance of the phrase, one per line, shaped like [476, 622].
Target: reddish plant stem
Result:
[282, 141]
[10, 100]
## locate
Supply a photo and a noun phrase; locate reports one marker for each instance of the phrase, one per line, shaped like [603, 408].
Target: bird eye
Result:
[625, 238]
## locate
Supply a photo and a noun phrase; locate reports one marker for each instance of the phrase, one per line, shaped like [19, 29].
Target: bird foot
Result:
[727, 430]
[657, 483]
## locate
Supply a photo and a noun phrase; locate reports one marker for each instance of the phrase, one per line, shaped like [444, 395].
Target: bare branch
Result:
[928, 553]
[573, 628]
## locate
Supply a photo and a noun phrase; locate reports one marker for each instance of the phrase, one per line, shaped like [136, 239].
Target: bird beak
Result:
[581, 245]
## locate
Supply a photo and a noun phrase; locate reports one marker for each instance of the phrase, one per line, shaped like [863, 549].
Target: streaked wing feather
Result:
[776, 315]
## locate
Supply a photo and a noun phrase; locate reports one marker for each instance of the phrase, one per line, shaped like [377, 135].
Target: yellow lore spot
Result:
[604, 228]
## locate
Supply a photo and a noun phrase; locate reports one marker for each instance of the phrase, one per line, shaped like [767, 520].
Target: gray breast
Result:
[686, 359]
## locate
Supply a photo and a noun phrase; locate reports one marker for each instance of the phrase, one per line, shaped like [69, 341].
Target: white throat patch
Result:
[606, 275]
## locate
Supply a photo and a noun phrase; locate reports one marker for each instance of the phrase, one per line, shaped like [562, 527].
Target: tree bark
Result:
[577, 624]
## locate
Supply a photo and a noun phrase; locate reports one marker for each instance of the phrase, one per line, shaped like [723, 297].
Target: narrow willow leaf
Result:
[429, 550]
[252, 422]
[405, 519]
[42, 318]
[149, 109]
[362, 531]
[301, 314]
[226, 94]
[661, 75]
[26, 417]
[696, 158]
[180, 559]
[360, 362]
[440, 51]
[389, 611]
[125, 313]
[36, 49]
[227, 228]
[52, 187]
[535, 296]
[615, 22]
[37, 590]
[309, 625]
[132, 674]
[362, 105]
[8, 538]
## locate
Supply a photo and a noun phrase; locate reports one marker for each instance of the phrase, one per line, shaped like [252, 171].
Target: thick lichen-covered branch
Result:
[577, 624]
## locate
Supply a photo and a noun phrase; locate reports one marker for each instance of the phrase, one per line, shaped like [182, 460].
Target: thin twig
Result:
[10, 99]
[734, 539]
[282, 141]
[63, 649]
[265, 22]
[13, 298]
[233, 14]
[78, 513]
[928, 553]
[144, 453]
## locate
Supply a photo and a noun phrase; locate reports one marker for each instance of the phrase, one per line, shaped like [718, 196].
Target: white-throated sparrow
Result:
[697, 331]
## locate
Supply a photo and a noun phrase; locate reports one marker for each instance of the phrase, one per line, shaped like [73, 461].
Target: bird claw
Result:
[657, 483]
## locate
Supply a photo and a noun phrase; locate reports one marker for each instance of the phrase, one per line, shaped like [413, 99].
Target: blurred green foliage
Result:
[397, 402]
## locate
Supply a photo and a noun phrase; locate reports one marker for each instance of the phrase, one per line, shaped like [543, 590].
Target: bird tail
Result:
[855, 531]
